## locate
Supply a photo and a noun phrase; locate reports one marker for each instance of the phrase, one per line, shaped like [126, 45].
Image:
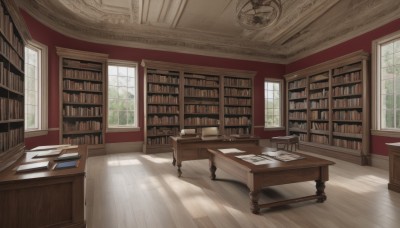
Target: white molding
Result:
[123, 147]
[275, 129]
[380, 161]
[30, 134]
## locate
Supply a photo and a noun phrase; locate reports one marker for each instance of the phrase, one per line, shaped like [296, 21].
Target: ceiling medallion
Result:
[258, 14]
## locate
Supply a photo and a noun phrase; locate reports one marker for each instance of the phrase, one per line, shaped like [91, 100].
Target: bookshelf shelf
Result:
[82, 94]
[202, 97]
[337, 107]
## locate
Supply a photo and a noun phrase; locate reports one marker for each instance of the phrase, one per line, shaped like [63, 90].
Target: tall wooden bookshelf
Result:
[328, 108]
[182, 96]
[11, 87]
[82, 97]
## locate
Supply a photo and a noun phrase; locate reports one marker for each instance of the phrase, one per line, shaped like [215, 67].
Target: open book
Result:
[256, 159]
[283, 155]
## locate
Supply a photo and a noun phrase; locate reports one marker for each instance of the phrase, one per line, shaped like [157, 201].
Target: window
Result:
[386, 84]
[273, 103]
[35, 89]
[122, 96]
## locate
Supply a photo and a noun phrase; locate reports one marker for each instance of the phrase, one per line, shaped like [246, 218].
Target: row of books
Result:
[320, 94]
[243, 120]
[297, 105]
[237, 101]
[319, 115]
[78, 85]
[320, 77]
[295, 95]
[3, 109]
[197, 92]
[319, 126]
[238, 110]
[201, 121]
[237, 82]
[349, 144]
[9, 52]
[347, 115]
[345, 103]
[82, 139]
[212, 82]
[212, 109]
[202, 77]
[237, 130]
[237, 92]
[161, 99]
[82, 74]
[82, 125]
[7, 27]
[152, 131]
[298, 115]
[159, 140]
[319, 85]
[15, 81]
[323, 139]
[347, 128]
[302, 136]
[323, 103]
[297, 124]
[157, 78]
[351, 77]
[162, 109]
[71, 110]
[298, 83]
[15, 109]
[12, 138]
[347, 68]
[83, 98]
[162, 88]
[347, 90]
[163, 120]
[82, 64]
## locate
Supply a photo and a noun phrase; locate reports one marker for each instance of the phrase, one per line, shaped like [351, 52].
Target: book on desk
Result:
[68, 156]
[33, 166]
[66, 164]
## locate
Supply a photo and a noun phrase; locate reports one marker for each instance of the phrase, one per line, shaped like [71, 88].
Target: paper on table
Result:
[50, 147]
[283, 155]
[231, 150]
[47, 153]
[256, 159]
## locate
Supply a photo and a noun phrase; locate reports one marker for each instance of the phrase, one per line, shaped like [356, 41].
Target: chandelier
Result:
[258, 14]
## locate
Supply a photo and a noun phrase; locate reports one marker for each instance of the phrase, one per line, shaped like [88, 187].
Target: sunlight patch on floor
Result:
[359, 182]
[126, 162]
[157, 160]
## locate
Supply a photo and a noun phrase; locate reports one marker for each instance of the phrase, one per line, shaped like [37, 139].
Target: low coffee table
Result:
[257, 177]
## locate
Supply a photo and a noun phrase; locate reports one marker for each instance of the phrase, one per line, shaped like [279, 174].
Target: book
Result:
[66, 164]
[47, 153]
[68, 156]
[231, 150]
[256, 159]
[283, 155]
[33, 166]
[50, 147]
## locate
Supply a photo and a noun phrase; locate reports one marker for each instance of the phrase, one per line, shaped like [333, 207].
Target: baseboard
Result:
[123, 147]
[380, 161]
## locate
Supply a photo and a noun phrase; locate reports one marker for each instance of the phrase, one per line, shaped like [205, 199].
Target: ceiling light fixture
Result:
[258, 14]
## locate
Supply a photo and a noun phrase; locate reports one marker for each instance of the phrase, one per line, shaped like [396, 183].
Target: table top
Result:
[10, 174]
[306, 162]
[216, 138]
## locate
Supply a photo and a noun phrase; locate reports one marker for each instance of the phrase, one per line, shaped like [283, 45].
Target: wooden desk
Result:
[187, 149]
[48, 198]
[257, 177]
[287, 141]
[394, 166]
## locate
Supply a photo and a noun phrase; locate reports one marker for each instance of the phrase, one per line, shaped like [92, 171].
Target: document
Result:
[256, 159]
[33, 166]
[231, 150]
[47, 153]
[68, 156]
[283, 155]
[50, 147]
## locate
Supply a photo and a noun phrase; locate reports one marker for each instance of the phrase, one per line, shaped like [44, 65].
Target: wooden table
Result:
[257, 177]
[187, 149]
[394, 166]
[43, 198]
[287, 141]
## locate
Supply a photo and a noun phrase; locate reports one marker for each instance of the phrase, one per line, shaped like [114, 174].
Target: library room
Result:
[185, 113]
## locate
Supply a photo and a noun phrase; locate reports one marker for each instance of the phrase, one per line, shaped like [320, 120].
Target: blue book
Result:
[66, 164]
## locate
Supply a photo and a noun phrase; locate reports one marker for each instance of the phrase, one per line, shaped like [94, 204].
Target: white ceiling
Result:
[209, 27]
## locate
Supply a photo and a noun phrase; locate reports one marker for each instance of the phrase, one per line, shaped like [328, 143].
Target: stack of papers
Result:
[51, 147]
[47, 153]
[33, 166]
[256, 159]
[231, 150]
[283, 155]
[68, 156]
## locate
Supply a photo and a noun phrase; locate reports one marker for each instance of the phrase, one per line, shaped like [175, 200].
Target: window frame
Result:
[116, 62]
[376, 87]
[281, 88]
[43, 90]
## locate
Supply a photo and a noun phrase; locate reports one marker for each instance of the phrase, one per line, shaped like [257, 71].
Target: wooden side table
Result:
[287, 141]
[394, 166]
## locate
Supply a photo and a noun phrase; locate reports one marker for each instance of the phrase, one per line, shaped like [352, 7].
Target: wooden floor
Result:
[139, 190]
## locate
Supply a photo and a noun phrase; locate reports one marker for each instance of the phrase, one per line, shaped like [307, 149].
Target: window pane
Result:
[272, 101]
[387, 86]
[398, 118]
[387, 73]
[387, 49]
[387, 101]
[397, 46]
[32, 93]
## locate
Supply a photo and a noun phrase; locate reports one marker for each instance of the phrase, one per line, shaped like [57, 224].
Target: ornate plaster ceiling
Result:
[209, 27]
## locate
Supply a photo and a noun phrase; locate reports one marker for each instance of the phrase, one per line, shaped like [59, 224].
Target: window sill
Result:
[29, 134]
[112, 130]
[395, 134]
[274, 129]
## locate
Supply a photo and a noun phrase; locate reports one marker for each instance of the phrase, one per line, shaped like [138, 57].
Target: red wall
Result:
[52, 39]
[362, 42]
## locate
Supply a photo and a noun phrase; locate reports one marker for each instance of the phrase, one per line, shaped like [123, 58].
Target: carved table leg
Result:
[320, 185]
[179, 169]
[254, 196]
[173, 159]
[213, 168]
